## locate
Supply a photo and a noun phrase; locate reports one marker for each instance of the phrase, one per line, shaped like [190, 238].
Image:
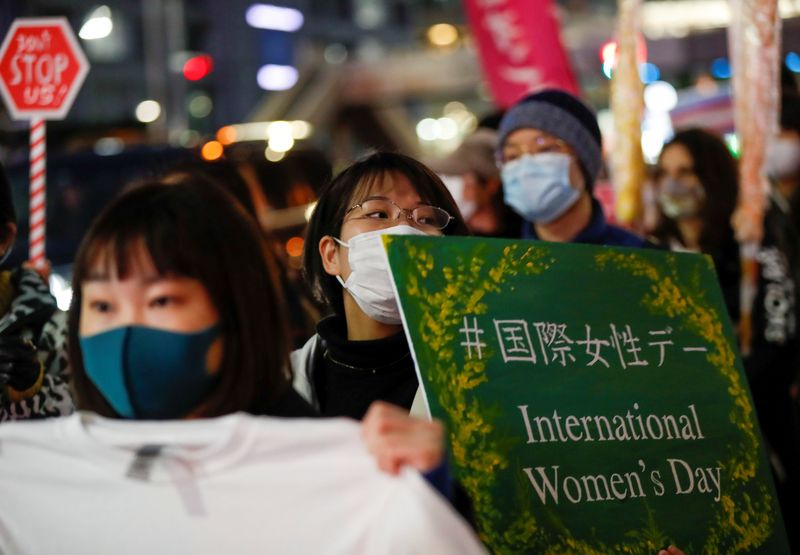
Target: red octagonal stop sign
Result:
[42, 67]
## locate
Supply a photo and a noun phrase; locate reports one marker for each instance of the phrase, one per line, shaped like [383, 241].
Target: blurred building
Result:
[361, 73]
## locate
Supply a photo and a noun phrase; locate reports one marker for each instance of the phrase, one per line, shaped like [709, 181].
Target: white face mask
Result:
[537, 186]
[783, 158]
[679, 200]
[455, 184]
[369, 282]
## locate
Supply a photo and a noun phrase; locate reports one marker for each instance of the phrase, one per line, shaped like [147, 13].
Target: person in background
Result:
[302, 312]
[697, 182]
[473, 178]
[222, 173]
[783, 156]
[696, 186]
[550, 152]
[774, 362]
[360, 353]
[33, 363]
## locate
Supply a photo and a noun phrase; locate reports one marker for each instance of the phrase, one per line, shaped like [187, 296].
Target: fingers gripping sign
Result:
[396, 439]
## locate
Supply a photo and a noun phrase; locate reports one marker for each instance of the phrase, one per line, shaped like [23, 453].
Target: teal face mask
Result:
[148, 373]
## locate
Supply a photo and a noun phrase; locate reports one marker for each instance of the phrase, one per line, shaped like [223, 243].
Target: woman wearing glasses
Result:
[359, 353]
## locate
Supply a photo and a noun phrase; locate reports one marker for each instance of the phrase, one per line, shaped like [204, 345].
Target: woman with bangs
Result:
[188, 311]
[360, 353]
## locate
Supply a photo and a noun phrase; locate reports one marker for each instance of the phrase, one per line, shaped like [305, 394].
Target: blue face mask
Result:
[148, 373]
[537, 186]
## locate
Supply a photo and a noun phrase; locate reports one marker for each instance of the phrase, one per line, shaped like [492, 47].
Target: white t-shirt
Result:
[230, 485]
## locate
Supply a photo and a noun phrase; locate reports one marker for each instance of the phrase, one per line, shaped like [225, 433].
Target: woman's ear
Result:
[328, 250]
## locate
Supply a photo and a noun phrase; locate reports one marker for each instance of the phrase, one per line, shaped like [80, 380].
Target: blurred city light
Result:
[656, 130]
[369, 14]
[280, 136]
[276, 18]
[273, 156]
[442, 34]
[660, 96]
[608, 52]
[263, 130]
[273, 77]
[281, 143]
[428, 129]
[793, 61]
[212, 150]
[200, 106]
[227, 135]
[608, 56]
[652, 143]
[721, 68]
[732, 140]
[108, 146]
[197, 67]
[335, 53]
[453, 108]
[294, 246]
[187, 138]
[649, 73]
[445, 128]
[148, 111]
[300, 129]
[98, 25]
[279, 129]
[448, 129]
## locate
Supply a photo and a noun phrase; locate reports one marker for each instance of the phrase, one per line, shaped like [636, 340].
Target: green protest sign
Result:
[594, 398]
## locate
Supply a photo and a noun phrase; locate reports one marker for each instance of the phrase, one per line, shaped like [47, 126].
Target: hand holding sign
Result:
[397, 439]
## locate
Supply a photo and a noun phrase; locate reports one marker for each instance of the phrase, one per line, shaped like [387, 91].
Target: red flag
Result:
[520, 47]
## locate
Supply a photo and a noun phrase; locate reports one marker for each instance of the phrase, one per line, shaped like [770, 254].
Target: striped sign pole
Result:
[38, 193]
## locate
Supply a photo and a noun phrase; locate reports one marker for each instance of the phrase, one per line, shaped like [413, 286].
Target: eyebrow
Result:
[379, 197]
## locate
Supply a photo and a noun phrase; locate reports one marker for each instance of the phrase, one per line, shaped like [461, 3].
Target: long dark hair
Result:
[196, 231]
[716, 169]
[351, 187]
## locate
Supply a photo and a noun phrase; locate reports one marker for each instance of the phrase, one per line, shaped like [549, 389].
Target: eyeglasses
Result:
[384, 212]
[542, 143]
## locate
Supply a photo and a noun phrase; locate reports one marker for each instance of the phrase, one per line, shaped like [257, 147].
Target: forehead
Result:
[675, 156]
[527, 135]
[392, 185]
[110, 261]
